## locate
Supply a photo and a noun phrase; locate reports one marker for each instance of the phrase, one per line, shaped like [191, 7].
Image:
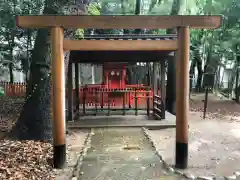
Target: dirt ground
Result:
[214, 142]
[214, 147]
[217, 107]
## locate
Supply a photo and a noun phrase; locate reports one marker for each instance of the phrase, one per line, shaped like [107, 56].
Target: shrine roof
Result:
[118, 56]
[99, 56]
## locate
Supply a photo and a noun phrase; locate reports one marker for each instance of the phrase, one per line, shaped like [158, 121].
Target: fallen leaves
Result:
[216, 108]
[25, 160]
[6, 124]
[11, 106]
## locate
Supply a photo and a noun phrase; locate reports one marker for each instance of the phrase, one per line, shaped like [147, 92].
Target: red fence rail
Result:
[103, 96]
[14, 89]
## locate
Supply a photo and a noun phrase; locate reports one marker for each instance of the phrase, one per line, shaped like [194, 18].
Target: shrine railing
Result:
[102, 95]
[96, 99]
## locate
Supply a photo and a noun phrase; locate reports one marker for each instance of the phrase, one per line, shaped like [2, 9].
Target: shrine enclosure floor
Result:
[117, 120]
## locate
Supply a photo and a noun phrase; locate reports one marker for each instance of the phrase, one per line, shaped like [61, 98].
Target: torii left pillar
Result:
[58, 98]
[182, 97]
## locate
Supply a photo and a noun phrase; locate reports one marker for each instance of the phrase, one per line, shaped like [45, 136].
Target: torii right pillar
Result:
[182, 97]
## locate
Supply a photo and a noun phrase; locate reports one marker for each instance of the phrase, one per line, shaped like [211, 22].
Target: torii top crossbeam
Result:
[114, 22]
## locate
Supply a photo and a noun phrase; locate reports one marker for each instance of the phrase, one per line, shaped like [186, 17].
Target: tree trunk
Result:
[208, 64]
[35, 119]
[198, 61]
[123, 8]
[221, 85]
[231, 82]
[129, 75]
[10, 66]
[217, 79]
[237, 86]
[11, 44]
[29, 46]
[200, 74]
[171, 85]
[171, 70]
[93, 74]
[138, 12]
[192, 72]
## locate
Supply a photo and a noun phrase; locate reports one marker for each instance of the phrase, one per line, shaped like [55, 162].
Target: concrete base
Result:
[123, 121]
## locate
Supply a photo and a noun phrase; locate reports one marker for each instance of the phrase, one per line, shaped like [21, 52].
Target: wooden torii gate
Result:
[181, 46]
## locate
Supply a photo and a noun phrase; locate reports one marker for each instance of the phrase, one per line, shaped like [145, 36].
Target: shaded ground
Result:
[122, 154]
[214, 147]
[217, 107]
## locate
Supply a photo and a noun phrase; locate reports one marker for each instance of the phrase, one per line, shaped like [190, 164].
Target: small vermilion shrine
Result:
[114, 75]
[114, 90]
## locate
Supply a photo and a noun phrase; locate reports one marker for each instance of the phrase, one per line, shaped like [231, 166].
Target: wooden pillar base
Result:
[59, 156]
[181, 155]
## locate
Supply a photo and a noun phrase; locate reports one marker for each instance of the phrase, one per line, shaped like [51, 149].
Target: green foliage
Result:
[79, 33]
[125, 7]
[220, 43]
[163, 8]
[158, 31]
[12, 38]
[93, 9]
[2, 91]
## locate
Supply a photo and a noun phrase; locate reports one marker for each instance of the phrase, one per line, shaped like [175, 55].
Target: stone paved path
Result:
[122, 154]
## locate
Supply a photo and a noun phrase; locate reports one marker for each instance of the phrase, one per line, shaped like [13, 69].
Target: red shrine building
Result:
[113, 89]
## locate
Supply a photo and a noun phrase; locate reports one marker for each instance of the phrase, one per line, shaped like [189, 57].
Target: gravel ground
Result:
[214, 146]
